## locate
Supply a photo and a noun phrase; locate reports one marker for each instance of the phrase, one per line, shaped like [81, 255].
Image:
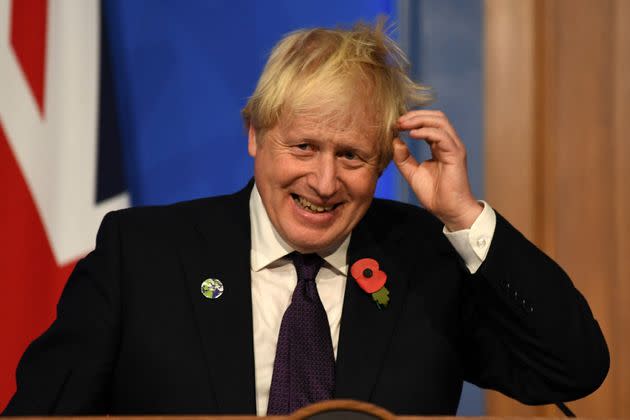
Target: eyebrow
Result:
[344, 145]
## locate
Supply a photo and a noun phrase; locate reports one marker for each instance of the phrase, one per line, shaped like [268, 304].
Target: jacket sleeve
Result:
[67, 369]
[529, 332]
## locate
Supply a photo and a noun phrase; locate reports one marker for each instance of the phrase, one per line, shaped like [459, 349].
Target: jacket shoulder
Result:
[177, 214]
[395, 215]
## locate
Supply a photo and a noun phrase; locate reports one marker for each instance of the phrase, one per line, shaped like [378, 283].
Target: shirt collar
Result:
[268, 246]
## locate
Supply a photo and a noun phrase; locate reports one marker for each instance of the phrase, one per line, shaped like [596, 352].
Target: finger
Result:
[421, 113]
[415, 112]
[435, 121]
[438, 139]
[404, 160]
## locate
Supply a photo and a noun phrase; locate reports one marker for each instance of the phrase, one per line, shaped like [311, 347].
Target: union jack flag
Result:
[57, 131]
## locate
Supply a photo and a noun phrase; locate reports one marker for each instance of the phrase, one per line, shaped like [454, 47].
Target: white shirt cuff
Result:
[473, 244]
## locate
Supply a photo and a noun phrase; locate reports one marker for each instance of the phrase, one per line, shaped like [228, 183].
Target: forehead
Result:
[345, 127]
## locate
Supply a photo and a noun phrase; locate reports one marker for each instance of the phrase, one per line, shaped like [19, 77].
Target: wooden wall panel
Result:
[572, 123]
[509, 81]
[509, 151]
[621, 162]
[579, 124]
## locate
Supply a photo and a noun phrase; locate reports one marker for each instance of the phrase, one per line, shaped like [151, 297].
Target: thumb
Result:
[404, 160]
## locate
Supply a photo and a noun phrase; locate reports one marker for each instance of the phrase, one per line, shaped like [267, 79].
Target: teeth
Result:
[310, 206]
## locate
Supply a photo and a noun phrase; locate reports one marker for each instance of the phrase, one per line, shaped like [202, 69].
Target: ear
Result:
[251, 142]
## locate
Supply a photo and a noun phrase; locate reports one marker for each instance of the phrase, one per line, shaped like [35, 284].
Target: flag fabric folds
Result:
[50, 206]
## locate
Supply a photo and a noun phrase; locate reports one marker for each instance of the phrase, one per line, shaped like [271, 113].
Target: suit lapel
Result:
[366, 331]
[219, 247]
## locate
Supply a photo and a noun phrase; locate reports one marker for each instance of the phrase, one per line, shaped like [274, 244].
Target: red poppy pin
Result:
[372, 280]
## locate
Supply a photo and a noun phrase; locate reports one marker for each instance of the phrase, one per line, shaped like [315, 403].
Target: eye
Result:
[303, 147]
[349, 155]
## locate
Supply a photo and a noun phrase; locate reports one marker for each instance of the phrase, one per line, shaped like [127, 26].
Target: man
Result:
[375, 300]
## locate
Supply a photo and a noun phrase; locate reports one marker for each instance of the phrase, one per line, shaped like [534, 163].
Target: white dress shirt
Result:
[274, 277]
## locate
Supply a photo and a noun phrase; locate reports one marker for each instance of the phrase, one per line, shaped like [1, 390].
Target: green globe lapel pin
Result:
[212, 288]
[372, 280]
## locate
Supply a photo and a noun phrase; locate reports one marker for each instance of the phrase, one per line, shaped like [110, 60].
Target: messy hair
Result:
[329, 72]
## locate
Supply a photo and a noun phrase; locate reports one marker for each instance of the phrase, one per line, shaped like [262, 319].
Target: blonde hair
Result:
[328, 72]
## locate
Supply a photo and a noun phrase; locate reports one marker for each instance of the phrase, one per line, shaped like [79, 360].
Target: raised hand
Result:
[440, 183]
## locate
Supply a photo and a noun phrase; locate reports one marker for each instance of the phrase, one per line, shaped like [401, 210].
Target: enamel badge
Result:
[212, 288]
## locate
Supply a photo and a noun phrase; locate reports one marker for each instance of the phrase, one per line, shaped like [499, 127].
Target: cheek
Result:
[363, 184]
[279, 175]
[269, 165]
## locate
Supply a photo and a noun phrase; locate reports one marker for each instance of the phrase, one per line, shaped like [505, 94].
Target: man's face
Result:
[316, 180]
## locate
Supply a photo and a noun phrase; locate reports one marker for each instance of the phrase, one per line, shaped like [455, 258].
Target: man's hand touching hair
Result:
[440, 183]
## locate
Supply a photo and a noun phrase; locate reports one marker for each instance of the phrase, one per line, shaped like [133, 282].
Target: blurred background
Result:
[112, 103]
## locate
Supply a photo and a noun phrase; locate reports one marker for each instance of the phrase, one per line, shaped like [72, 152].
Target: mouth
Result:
[311, 207]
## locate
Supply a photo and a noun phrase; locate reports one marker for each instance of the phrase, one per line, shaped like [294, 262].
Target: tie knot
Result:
[306, 265]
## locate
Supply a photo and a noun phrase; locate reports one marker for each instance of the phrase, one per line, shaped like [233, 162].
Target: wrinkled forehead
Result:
[332, 110]
[341, 121]
[329, 127]
[335, 117]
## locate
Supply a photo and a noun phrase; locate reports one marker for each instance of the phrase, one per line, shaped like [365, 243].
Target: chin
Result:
[308, 239]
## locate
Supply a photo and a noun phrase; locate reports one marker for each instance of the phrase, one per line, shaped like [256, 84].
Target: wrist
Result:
[465, 218]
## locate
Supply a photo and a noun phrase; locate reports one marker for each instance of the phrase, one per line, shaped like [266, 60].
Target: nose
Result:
[323, 179]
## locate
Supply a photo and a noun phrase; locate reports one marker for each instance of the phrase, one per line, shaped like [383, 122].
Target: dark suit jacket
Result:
[134, 334]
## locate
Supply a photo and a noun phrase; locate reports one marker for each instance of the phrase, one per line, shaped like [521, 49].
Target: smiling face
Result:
[316, 179]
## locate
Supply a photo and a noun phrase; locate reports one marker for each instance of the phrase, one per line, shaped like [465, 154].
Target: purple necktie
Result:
[304, 368]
